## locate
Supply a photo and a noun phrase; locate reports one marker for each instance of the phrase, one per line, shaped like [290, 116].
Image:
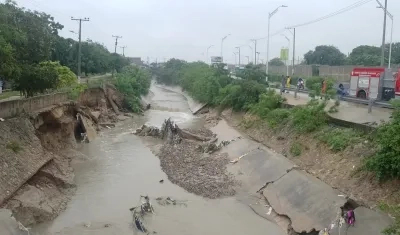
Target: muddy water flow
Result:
[122, 167]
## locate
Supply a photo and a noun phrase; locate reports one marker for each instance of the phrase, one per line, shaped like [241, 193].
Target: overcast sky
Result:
[185, 28]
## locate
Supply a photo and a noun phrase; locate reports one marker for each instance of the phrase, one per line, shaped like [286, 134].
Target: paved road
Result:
[352, 112]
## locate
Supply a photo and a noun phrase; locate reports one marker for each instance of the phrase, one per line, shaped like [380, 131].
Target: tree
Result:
[325, 55]
[254, 73]
[365, 55]
[276, 62]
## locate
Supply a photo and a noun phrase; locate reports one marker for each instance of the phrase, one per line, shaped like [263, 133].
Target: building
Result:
[136, 61]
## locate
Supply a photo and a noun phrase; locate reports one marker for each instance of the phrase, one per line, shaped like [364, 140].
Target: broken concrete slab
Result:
[308, 202]
[88, 126]
[8, 224]
[367, 222]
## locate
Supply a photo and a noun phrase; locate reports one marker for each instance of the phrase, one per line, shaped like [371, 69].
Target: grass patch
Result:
[278, 117]
[14, 146]
[393, 210]
[296, 149]
[8, 94]
[338, 139]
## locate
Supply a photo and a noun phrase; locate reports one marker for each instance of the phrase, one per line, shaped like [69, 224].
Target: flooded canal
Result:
[122, 167]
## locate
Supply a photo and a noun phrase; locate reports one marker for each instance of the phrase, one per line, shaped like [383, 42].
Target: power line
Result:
[343, 10]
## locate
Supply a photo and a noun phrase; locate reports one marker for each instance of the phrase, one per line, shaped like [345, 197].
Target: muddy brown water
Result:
[122, 167]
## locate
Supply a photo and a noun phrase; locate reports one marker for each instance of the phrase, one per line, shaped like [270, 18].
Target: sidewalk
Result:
[347, 111]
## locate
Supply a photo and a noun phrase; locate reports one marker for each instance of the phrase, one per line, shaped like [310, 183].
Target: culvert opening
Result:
[79, 131]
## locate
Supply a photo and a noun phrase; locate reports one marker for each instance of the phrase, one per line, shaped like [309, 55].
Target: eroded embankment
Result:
[37, 179]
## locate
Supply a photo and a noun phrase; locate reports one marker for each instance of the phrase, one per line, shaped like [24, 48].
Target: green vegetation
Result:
[8, 94]
[386, 163]
[393, 210]
[14, 146]
[295, 149]
[35, 59]
[133, 82]
[338, 139]
[362, 55]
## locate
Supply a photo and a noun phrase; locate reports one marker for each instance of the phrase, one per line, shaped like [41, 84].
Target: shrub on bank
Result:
[386, 162]
[309, 118]
[338, 139]
[133, 82]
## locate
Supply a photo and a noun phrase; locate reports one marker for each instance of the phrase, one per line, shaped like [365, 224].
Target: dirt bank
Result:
[339, 170]
[37, 178]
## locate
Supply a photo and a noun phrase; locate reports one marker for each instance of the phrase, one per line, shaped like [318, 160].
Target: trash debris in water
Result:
[161, 181]
[138, 212]
[169, 201]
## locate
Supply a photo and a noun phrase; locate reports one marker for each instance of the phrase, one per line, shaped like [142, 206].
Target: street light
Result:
[222, 45]
[269, 23]
[286, 61]
[208, 48]
[391, 31]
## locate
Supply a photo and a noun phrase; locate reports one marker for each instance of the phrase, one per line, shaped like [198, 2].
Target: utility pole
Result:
[255, 50]
[294, 46]
[239, 54]
[383, 36]
[116, 42]
[79, 46]
[258, 57]
[123, 50]
[391, 32]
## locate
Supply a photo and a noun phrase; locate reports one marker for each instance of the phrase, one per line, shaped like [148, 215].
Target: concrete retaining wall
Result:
[194, 106]
[14, 107]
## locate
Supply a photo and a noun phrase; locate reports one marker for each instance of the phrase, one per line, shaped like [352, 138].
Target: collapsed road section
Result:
[308, 203]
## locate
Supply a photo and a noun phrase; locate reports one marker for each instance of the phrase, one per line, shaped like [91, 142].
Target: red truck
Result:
[375, 83]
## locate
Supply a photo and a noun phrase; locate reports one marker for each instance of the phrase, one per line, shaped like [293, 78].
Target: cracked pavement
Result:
[309, 203]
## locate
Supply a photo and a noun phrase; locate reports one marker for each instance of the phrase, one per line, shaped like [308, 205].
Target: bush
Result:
[339, 139]
[240, 95]
[267, 102]
[133, 82]
[309, 118]
[314, 85]
[386, 163]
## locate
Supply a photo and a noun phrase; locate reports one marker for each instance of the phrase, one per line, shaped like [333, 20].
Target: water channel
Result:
[122, 167]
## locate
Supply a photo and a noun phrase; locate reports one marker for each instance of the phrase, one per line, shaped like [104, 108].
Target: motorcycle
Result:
[300, 85]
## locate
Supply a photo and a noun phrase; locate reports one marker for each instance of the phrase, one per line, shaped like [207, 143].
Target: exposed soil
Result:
[339, 170]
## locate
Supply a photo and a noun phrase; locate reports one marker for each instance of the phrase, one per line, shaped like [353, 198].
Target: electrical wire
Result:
[343, 10]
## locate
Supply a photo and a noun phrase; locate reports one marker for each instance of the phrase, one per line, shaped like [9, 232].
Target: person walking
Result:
[288, 80]
[323, 88]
